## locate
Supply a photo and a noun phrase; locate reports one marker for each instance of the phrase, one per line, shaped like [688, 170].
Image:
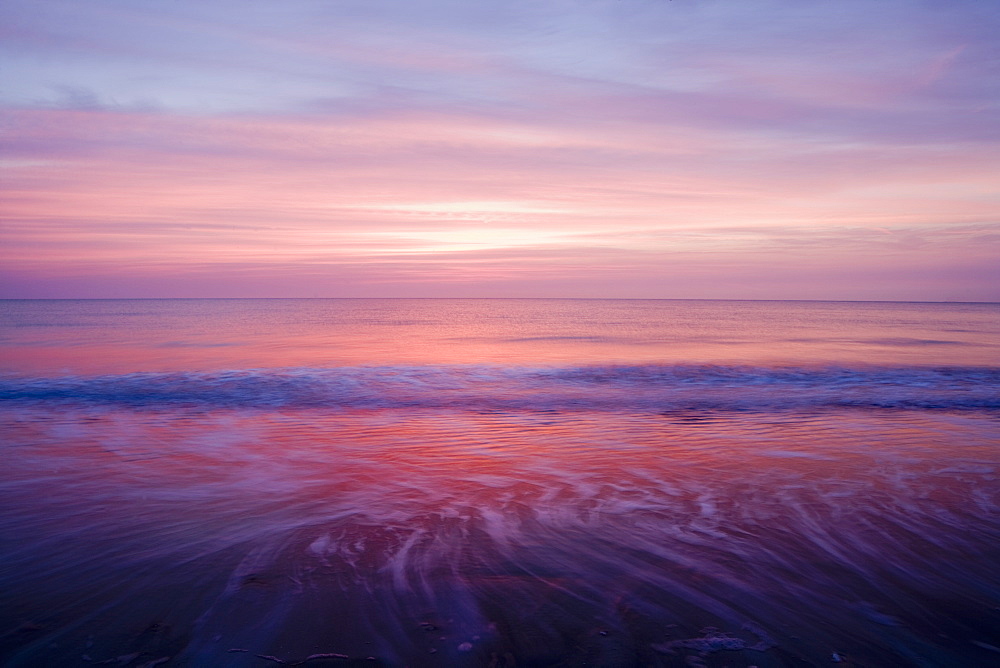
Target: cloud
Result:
[465, 143]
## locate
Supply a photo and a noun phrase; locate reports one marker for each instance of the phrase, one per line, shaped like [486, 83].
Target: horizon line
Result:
[699, 299]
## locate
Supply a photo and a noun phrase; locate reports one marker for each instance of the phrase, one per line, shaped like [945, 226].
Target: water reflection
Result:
[120, 336]
[500, 538]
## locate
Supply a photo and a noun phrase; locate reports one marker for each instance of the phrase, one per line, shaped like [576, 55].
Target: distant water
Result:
[499, 483]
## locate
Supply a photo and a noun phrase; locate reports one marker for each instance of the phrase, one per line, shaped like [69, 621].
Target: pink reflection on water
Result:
[499, 482]
[582, 538]
[187, 335]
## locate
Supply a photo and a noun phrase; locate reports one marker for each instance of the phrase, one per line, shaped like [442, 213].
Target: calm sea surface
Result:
[499, 483]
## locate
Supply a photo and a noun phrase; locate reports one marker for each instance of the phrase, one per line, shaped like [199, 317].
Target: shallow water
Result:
[599, 506]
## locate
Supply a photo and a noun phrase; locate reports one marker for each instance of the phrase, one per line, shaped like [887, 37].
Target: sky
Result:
[721, 149]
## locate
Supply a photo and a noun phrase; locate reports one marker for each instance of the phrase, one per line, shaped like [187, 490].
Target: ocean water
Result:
[499, 483]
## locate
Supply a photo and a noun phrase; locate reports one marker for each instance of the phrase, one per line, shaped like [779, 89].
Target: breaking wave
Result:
[642, 388]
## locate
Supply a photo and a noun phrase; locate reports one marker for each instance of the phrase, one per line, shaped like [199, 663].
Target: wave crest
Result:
[608, 388]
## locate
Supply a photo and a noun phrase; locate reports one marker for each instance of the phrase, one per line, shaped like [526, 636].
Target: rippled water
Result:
[497, 483]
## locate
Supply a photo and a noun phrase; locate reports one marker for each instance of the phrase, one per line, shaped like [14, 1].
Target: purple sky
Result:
[798, 149]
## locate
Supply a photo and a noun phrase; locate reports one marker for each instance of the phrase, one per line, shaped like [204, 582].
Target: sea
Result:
[499, 482]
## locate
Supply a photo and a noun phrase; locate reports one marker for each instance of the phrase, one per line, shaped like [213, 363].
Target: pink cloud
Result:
[739, 158]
